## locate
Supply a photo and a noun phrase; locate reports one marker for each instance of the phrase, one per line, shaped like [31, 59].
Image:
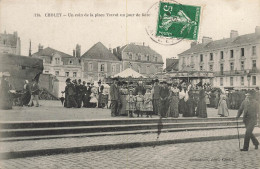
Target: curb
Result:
[55, 151]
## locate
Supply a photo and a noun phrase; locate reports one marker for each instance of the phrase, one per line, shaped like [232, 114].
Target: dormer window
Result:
[57, 61]
[148, 58]
[155, 58]
[70, 62]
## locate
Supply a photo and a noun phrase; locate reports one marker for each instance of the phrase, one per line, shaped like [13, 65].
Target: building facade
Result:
[59, 64]
[234, 60]
[140, 58]
[99, 62]
[10, 43]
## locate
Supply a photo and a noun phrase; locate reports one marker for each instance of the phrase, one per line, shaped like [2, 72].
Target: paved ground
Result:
[29, 145]
[53, 110]
[213, 155]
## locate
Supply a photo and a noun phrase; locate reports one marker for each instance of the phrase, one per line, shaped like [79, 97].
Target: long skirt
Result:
[202, 109]
[182, 107]
[173, 110]
[190, 107]
[164, 106]
[26, 98]
[122, 110]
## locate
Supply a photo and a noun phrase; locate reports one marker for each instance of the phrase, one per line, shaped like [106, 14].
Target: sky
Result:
[218, 18]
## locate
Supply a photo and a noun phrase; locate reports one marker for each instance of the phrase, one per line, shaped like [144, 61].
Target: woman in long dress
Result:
[26, 93]
[190, 102]
[182, 103]
[123, 93]
[173, 110]
[202, 107]
[130, 103]
[222, 107]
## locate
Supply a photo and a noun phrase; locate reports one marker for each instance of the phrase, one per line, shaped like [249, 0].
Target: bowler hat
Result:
[68, 80]
[156, 80]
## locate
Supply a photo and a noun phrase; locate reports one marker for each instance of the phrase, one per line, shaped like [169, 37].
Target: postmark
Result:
[178, 21]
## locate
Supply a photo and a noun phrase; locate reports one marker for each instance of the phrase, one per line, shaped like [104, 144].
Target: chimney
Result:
[40, 47]
[257, 30]
[114, 51]
[233, 34]
[74, 53]
[110, 49]
[206, 39]
[78, 50]
[143, 44]
[30, 49]
[15, 34]
[193, 44]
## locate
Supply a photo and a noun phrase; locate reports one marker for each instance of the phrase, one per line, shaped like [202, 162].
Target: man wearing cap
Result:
[156, 96]
[100, 92]
[251, 110]
[114, 97]
[5, 98]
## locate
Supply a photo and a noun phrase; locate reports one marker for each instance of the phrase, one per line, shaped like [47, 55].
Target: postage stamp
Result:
[178, 21]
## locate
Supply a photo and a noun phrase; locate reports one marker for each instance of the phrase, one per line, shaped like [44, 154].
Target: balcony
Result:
[237, 72]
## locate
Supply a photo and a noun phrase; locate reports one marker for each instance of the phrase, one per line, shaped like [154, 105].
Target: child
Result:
[148, 105]
[139, 104]
[130, 105]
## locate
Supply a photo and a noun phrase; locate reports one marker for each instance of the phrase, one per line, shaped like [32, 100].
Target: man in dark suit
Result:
[156, 96]
[251, 110]
[114, 97]
[164, 94]
[87, 95]
[100, 92]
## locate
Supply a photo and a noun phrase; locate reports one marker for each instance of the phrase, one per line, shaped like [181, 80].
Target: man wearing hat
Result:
[250, 108]
[114, 97]
[34, 93]
[156, 96]
[164, 94]
[70, 95]
[5, 98]
[100, 92]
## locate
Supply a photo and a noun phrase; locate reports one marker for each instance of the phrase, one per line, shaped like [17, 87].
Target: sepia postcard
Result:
[129, 84]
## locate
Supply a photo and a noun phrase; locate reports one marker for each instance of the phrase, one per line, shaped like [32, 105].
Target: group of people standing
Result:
[83, 94]
[164, 99]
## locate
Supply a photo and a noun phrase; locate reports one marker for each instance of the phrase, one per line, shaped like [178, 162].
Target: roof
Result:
[50, 52]
[228, 42]
[173, 66]
[145, 50]
[129, 73]
[8, 39]
[100, 52]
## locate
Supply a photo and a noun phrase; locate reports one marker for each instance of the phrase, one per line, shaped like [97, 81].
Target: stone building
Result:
[99, 62]
[10, 43]
[234, 60]
[141, 58]
[61, 65]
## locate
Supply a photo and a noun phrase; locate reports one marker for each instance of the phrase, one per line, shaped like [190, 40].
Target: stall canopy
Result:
[129, 73]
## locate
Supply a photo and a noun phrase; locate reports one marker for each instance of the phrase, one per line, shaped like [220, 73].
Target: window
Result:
[70, 62]
[57, 61]
[201, 57]
[211, 67]
[231, 81]
[102, 67]
[90, 66]
[67, 74]
[192, 59]
[221, 81]
[57, 73]
[155, 58]
[148, 69]
[242, 52]
[253, 50]
[221, 68]
[231, 66]
[201, 68]
[211, 56]
[130, 57]
[231, 54]
[254, 80]
[113, 68]
[148, 58]
[74, 74]
[46, 71]
[253, 64]
[242, 65]
[221, 55]
[242, 80]
[139, 57]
